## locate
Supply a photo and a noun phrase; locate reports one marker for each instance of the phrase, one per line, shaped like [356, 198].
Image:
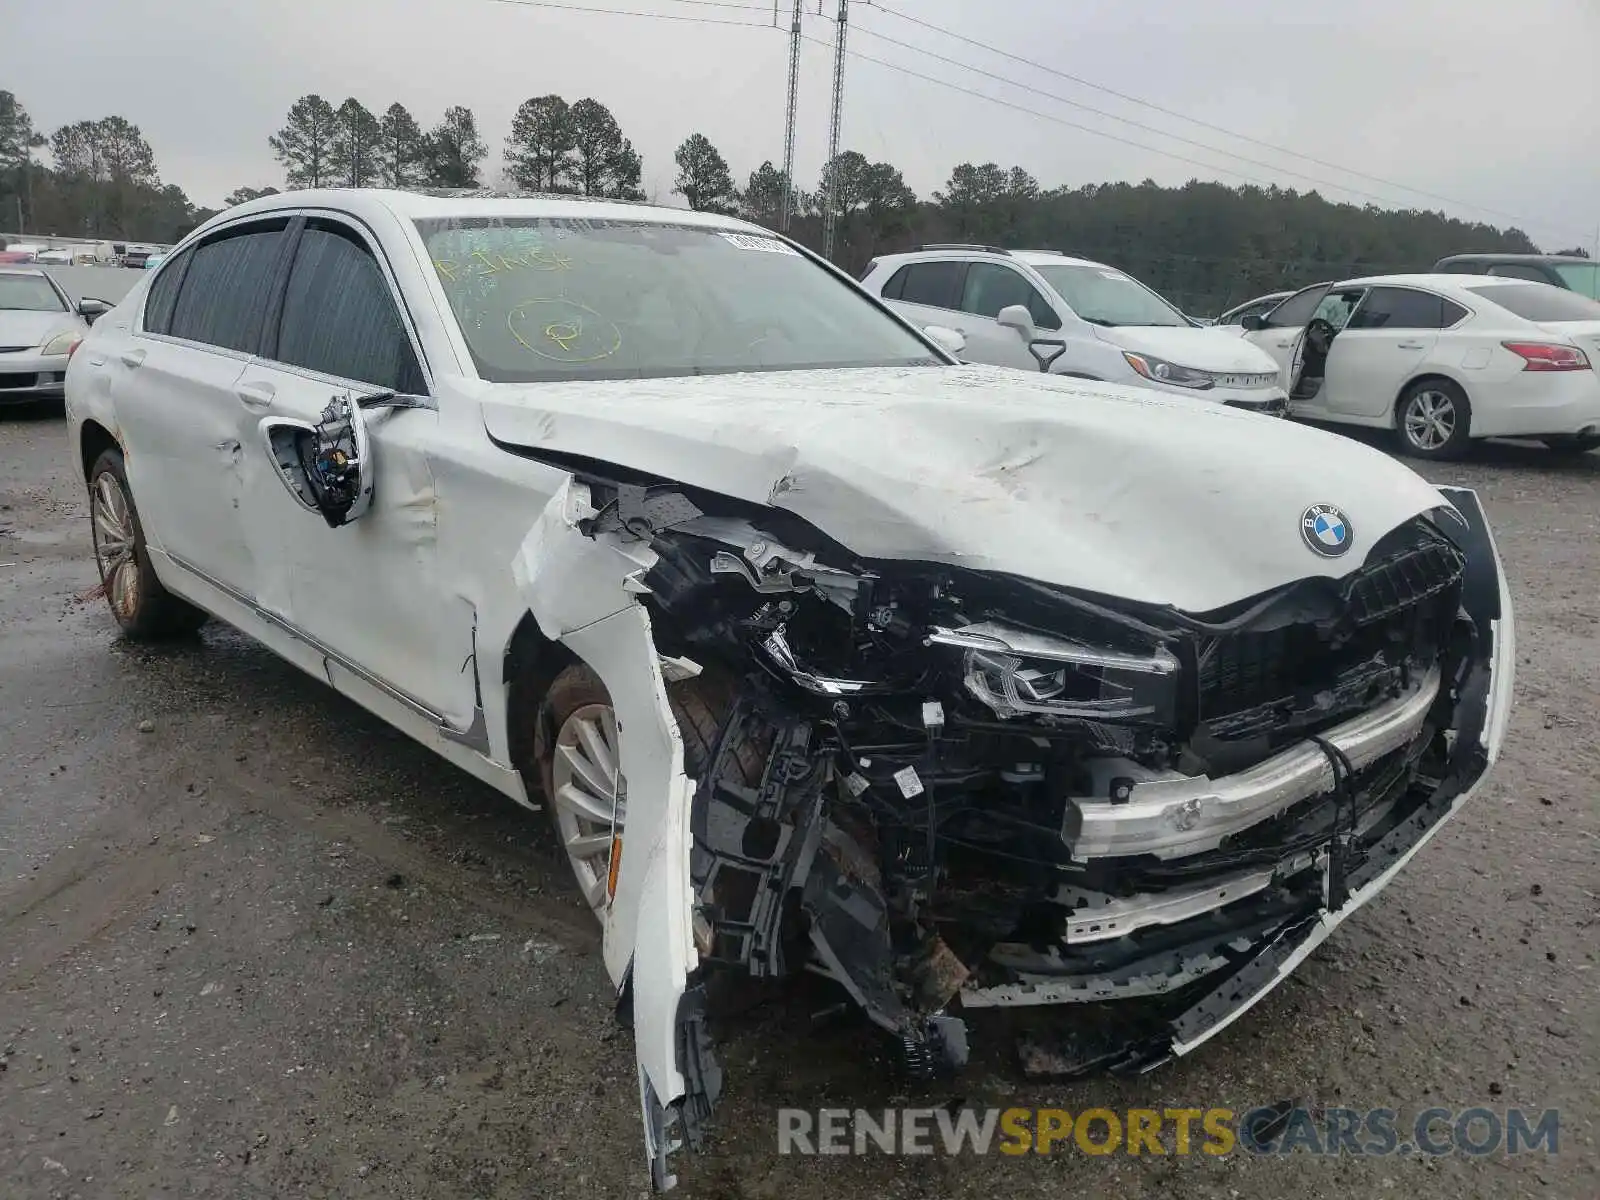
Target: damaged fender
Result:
[582, 591]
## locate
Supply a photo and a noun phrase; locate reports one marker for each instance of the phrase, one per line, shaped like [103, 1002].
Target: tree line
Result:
[1204, 245]
[103, 184]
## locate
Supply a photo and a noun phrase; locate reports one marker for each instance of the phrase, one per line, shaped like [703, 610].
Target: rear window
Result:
[1540, 302]
[1583, 278]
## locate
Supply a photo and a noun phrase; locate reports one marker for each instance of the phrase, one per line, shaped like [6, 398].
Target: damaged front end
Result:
[950, 790]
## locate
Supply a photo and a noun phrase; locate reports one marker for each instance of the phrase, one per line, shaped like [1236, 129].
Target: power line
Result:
[618, 12]
[956, 87]
[1184, 116]
[1100, 112]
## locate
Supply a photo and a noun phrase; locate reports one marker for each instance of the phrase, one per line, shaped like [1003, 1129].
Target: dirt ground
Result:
[253, 943]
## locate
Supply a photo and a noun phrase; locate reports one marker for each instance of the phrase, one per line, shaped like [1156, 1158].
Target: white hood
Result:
[1120, 491]
[19, 327]
[1203, 349]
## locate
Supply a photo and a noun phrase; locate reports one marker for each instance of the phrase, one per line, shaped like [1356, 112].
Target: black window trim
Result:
[185, 255]
[362, 232]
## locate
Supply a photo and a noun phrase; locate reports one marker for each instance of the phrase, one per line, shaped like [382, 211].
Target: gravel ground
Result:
[253, 943]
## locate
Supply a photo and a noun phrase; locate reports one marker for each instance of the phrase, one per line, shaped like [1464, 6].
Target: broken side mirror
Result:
[1016, 316]
[952, 341]
[326, 466]
[1251, 322]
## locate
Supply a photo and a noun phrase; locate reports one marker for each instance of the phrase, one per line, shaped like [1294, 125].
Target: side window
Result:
[1400, 308]
[896, 284]
[1296, 310]
[936, 284]
[991, 287]
[1337, 307]
[1463, 268]
[1519, 271]
[225, 290]
[340, 316]
[163, 294]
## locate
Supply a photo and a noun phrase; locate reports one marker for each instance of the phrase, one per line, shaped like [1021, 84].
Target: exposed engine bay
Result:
[974, 790]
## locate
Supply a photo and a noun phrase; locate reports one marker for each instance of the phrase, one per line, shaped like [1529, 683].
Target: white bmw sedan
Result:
[824, 651]
[1441, 359]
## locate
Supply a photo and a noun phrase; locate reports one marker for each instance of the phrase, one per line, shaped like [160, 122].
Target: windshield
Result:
[1583, 278]
[1540, 301]
[554, 298]
[1102, 296]
[29, 293]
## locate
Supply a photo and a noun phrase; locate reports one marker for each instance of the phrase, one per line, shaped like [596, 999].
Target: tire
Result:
[1433, 420]
[576, 712]
[1572, 445]
[142, 607]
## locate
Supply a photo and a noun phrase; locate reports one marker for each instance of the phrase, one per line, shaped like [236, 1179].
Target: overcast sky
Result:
[1480, 101]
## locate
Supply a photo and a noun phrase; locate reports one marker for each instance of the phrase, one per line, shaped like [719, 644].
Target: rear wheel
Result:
[1572, 444]
[144, 609]
[1434, 420]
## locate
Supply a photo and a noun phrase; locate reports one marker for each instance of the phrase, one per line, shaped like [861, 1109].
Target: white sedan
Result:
[40, 326]
[1441, 359]
[965, 687]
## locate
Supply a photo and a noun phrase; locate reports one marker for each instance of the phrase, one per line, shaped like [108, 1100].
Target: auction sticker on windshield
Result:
[746, 241]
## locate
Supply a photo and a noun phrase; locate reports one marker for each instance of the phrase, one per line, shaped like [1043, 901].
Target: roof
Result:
[1494, 256]
[1435, 281]
[424, 203]
[1031, 258]
[21, 269]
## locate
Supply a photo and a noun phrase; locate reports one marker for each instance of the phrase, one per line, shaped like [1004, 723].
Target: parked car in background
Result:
[1233, 319]
[1039, 309]
[40, 327]
[965, 687]
[79, 254]
[1441, 359]
[1581, 275]
[153, 260]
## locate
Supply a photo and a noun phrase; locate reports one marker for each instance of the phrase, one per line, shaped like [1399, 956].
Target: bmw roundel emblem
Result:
[1326, 530]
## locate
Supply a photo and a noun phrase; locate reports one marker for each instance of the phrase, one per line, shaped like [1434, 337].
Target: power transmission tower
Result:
[829, 205]
[788, 132]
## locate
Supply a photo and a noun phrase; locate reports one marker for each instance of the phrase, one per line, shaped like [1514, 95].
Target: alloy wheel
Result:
[1430, 420]
[114, 548]
[588, 802]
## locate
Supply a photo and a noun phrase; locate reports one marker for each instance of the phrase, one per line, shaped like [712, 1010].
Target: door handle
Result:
[131, 358]
[1285, 345]
[255, 395]
[1410, 346]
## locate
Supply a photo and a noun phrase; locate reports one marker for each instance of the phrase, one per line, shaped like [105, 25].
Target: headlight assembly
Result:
[1016, 672]
[62, 343]
[1159, 370]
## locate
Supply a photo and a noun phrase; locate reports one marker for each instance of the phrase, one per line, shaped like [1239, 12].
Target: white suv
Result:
[1040, 310]
[967, 687]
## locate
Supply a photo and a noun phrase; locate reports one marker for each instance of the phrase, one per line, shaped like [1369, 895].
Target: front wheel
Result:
[578, 755]
[1434, 420]
[144, 609]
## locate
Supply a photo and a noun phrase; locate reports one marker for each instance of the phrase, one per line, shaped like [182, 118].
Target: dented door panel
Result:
[179, 418]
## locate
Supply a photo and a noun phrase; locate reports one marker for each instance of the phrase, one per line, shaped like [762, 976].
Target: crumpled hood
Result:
[1109, 489]
[1203, 349]
[20, 328]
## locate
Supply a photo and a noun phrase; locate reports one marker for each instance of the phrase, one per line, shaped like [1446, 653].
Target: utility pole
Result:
[829, 205]
[788, 133]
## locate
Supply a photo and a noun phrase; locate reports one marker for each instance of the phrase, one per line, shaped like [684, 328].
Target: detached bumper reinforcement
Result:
[1170, 818]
